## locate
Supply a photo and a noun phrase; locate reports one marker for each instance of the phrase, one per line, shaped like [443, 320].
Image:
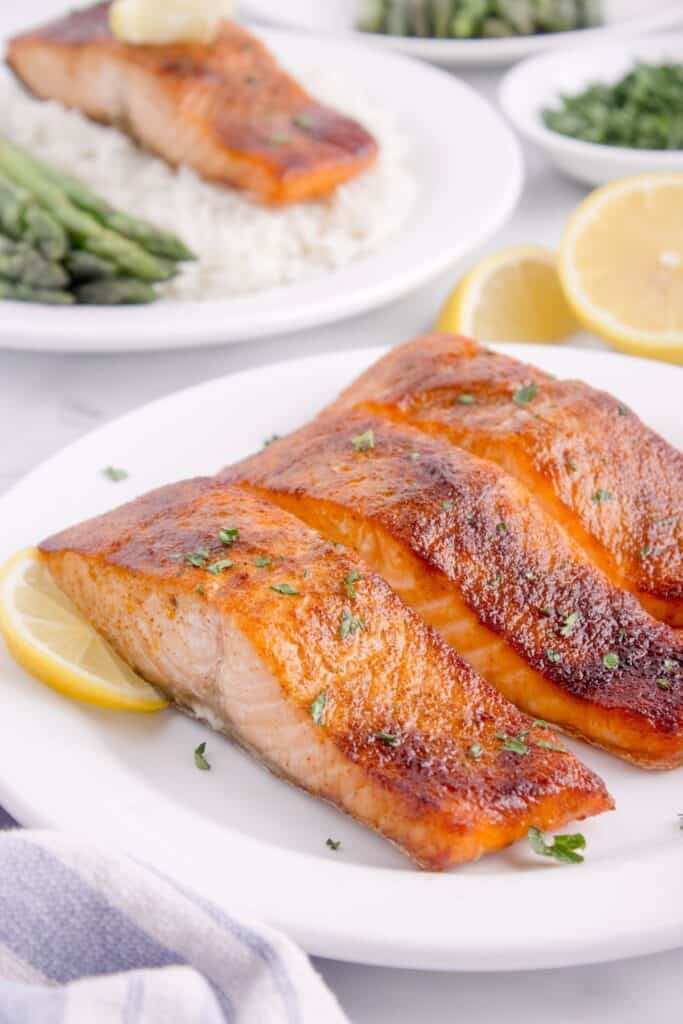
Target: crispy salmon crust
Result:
[615, 485]
[339, 687]
[226, 109]
[469, 548]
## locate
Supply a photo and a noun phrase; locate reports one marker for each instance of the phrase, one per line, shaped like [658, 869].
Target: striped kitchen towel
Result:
[91, 938]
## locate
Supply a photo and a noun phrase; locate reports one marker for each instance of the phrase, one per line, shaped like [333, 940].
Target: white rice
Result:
[242, 247]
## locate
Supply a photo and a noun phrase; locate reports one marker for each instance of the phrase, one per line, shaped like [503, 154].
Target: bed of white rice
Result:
[242, 247]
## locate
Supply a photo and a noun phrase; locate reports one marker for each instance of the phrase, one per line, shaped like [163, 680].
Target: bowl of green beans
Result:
[603, 112]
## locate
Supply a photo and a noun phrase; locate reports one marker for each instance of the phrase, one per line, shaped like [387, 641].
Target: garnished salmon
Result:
[250, 620]
[612, 483]
[226, 109]
[469, 549]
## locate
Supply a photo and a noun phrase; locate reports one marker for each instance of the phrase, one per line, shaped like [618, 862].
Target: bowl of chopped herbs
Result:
[604, 112]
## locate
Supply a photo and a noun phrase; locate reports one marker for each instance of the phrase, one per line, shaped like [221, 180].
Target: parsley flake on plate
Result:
[388, 739]
[610, 660]
[515, 744]
[563, 848]
[364, 442]
[333, 844]
[115, 474]
[350, 624]
[475, 751]
[569, 624]
[318, 707]
[200, 759]
[263, 562]
[228, 535]
[525, 394]
[220, 566]
[349, 583]
[601, 495]
[285, 588]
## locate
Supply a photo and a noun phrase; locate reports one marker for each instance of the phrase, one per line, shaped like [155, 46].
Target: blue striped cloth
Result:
[90, 938]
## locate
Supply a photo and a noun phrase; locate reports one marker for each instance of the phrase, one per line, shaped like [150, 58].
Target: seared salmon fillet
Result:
[226, 109]
[247, 618]
[469, 548]
[615, 485]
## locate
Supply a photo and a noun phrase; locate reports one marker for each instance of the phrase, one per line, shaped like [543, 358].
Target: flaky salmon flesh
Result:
[247, 618]
[476, 556]
[225, 109]
[612, 483]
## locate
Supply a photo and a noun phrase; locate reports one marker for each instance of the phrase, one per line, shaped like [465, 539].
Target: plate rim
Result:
[651, 923]
[353, 289]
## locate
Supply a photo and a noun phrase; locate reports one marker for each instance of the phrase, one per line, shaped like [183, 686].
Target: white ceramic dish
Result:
[536, 84]
[623, 18]
[247, 840]
[465, 192]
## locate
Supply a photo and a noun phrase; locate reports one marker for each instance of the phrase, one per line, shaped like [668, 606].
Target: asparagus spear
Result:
[118, 291]
[84, 266]
[45, 233]
[154, 239]
[24, 265]
[85, 229]
[25, 293]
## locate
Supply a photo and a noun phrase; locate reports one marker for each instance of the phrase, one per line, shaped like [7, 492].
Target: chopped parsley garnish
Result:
[269, 440]
[496, 581]
[622, 410]
[333, 844]
[646, 552]
[349, 624]
[197, 559]
[553, 656]
[200, 589]
[228, 535]
[115, 474]
[466, 399]
[285, 588]
[263, 562]
[200, 759]
[447, 505]
[571, 465]
[502, 528]
[610, 660]
[514, 743]
[529, 575]
[303, 120]
[318, 707]
[220, 566]
[663, 683]
[548, 745]
[602, 495]
[475, 751]
[563, 848]
[414, 456]
[364, 442]
[569, 624]
[525, 394]
[387, 738]
[349, 583]
[669, 665]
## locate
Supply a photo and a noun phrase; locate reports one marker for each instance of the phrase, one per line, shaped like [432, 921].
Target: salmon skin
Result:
[472, 552]
[226, 109]
[248, 619]
[615, 485]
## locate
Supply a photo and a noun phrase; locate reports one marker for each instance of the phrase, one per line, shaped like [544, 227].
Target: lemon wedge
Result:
[514, 295]
[50, 638]
[161, 22]
[621, 264]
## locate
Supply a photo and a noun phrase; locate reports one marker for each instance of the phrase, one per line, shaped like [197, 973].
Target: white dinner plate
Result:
[622, 17]
[468, 178]
[249, 841]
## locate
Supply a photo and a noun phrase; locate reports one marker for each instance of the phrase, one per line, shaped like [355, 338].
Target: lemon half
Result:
[514, 295]
[50, 638]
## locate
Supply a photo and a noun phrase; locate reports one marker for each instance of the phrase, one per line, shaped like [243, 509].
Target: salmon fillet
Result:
[307, 658]
[226, 109]
[469, 549]
[615, 485]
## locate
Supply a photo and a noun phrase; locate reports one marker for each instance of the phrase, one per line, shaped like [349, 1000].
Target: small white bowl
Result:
[539, 83]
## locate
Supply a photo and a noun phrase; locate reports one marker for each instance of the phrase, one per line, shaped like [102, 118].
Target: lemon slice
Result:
[514, 295]
[50, 638]
[621, 264]
[155, 23]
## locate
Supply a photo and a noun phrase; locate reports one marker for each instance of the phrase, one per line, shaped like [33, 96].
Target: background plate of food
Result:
[199, 808]
[482, 32]
[354, 196]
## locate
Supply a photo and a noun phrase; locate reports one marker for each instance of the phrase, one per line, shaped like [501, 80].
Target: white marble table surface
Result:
[47, 401]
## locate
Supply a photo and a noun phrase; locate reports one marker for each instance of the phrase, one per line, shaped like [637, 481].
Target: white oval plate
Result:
[623, 17]
[250, 842]
[468, 168]
[539, 83]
